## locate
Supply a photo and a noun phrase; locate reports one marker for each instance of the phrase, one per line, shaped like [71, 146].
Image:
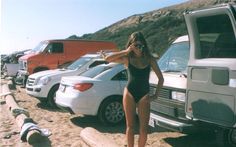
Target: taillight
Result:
[83, 86]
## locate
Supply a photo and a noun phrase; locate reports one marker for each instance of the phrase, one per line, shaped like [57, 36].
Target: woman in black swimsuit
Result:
[138, 60]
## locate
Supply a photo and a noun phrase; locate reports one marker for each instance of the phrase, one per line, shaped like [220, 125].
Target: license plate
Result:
[62, 88]
[151, 122]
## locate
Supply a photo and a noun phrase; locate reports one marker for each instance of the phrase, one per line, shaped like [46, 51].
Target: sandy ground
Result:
[65, 128]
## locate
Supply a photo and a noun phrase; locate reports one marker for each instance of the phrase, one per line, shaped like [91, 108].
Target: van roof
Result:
[82, 40]
[181, 39]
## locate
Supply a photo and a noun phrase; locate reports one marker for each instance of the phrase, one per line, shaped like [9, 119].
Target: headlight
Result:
[44, 81]
[180, 96]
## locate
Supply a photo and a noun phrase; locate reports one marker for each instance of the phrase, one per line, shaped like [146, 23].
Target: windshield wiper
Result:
[181, 75]
[170, 70]
[184, 75]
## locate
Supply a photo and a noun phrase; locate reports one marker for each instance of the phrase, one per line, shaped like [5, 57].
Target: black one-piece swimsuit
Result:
[138, 81]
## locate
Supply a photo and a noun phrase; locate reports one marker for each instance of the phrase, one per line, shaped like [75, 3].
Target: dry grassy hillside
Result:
[160, 27]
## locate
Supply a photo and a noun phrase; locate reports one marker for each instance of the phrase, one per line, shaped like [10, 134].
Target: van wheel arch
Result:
[108, 117]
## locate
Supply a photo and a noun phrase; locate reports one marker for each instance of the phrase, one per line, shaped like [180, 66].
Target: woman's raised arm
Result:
[119, 57]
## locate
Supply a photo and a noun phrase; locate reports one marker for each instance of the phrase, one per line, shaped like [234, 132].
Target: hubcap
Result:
[114, 112]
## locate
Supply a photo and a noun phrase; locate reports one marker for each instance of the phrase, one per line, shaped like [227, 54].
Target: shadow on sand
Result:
[92, 121]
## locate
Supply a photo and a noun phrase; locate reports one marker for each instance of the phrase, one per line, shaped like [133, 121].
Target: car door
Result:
[55, 55]
[211, 82]
[122, 77]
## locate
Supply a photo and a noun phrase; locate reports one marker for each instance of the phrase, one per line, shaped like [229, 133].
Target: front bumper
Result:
[37, 91]
[171, 124]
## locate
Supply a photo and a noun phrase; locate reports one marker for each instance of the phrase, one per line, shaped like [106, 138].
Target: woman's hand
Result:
[130, 48]
[135, 49]
[102, 54]
[153, 97]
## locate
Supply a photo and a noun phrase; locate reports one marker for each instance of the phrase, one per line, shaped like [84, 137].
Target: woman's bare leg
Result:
[144, 114]
[130, 112]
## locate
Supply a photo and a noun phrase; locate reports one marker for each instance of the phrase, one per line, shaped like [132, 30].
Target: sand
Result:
[65, 128]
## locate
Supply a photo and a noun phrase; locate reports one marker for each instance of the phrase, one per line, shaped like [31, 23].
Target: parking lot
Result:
[65, 128]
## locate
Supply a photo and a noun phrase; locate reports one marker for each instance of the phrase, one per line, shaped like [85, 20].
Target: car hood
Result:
[72, 80]
[170, 80]
[51, 73]
[25, 57]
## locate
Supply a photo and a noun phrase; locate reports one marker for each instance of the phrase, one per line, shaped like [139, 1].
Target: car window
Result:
[175, 59]
[56, 47]
[94, 71]
[216, 39]
[40, 47]
[78, 63]
[121, 76]
[95, 63]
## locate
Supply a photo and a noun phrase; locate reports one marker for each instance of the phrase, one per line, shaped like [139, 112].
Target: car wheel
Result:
[111, 111]
[226, 137]
[52, 96]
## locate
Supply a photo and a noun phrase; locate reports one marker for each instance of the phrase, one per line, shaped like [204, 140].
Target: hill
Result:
[160, 27]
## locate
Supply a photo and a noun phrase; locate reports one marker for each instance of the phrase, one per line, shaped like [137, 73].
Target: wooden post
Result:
[33, 136]
[96, 139]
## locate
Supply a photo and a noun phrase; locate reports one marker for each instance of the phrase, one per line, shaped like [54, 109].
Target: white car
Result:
[44, 84]
[98, 91]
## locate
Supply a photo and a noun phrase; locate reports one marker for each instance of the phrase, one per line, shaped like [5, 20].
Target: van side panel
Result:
[210, 95]
[75, 49]
[84, 47]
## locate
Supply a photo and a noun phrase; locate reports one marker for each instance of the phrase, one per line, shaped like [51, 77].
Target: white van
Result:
[168, 109]
[44, 84]
[211, 84]
[209, 99]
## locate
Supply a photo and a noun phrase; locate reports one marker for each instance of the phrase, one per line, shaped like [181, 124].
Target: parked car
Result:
[97, 92]
[44, 84]
[52, 54]
[209, 92]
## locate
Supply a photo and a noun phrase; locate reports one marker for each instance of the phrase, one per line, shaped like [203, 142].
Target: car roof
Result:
[91, 55]
[112, 64]
[181, 39]
[95, 54]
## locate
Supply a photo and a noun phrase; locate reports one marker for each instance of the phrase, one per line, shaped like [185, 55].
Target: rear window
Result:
[95, 63]
[216, 38]
[78, 63]
[94, 71]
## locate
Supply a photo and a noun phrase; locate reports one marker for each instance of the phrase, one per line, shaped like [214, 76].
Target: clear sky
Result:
[24, 23]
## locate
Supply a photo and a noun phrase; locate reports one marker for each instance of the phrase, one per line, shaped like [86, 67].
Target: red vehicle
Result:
[51, 54]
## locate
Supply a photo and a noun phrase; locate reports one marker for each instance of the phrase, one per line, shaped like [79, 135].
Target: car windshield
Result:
[40, 47]
[94, 71]
[175, 59]
[78, 63]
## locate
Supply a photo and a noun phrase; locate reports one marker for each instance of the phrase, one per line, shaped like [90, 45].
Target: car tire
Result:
[111, 111]
[51, 96]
